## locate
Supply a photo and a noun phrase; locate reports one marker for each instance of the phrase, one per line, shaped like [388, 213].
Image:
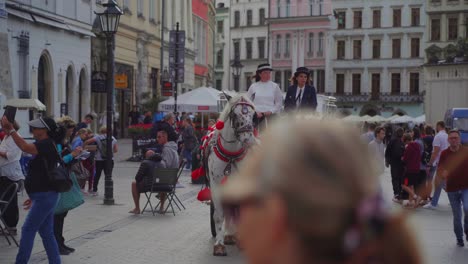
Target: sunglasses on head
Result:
[44, 123]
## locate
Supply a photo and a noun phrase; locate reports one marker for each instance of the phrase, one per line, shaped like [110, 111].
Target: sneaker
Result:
[429, 207]
[396, 200]
[63, 251]
[460, 243]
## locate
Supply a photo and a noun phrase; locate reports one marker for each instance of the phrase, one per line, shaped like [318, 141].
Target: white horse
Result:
[226, 146]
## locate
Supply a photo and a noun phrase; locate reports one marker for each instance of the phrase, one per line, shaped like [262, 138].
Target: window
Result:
[415, 47]
[311, 7]
[452, 28]
[236, 49]
[248, 49]
[151, 11]
[357, 49]
[341, 19]
[287, 77]
[414, 83]
[287, 46]
[140, 8]
[376, 48]
[320, 7]
[415, 17]
[249, 17]
[375, 86]
[220, 26]
[466, 26]
[357, 19]
[435, 29]
[219, 58]
[396, 83]
[340, 83]
[261, 48]
[396, 17]
[236, 19]
[356, 84]
[278, 46]
[320, 45]
[261, 16]
[340, 50]
[278, 8]
[376, 17]
[288, 8]
[219, 84]
[396, 48]
[320, 81]
[310, 45]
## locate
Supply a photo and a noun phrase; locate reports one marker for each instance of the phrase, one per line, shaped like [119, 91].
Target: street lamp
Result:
[236, 68]
[109, 23]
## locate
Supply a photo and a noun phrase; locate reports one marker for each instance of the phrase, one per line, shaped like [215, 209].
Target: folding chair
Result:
[4, 203]
[163, 182]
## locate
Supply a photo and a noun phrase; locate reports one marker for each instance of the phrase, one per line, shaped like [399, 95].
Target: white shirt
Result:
[300, 94]
[266, 96]
[441, 141]
[10, 166]
[377, 149]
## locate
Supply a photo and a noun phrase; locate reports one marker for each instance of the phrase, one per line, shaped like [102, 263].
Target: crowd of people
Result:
[62, 140]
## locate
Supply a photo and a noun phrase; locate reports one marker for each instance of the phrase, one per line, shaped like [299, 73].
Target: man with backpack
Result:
[101, 155]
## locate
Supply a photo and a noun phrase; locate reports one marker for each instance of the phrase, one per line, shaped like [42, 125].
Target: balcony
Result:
[348, 98]
[304, 9]
[383, 97]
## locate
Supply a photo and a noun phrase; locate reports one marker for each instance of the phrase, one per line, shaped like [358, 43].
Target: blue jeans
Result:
[188, 157]
[459, 200]
[40, 219]
[437, 189]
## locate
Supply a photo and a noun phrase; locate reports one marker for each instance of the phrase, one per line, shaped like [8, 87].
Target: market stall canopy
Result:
[201, 100]
[402, 119]
[393, 117]
[352, 118]
[365, 118]
[26, 103]
[377, 119]
[420, 119]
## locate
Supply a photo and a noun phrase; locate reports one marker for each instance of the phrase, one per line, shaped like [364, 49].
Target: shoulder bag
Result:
[59, 176]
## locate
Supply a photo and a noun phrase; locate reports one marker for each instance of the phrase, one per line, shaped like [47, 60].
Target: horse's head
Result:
[240, 118]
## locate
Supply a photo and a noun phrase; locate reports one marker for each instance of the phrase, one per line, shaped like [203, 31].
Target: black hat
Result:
[302, 70]
[264, 67]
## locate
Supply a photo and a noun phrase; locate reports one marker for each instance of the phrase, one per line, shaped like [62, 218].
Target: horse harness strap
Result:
[227, 156]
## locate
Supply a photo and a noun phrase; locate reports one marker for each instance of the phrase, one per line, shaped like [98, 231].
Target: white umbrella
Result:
[365, 118]
[420, 119]
[352, 118]
[202, 100]
[26, 103]
[377, 119]
[402, 119]
[393, 117]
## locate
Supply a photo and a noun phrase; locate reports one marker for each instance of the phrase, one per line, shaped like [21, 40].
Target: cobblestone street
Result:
[109, 234]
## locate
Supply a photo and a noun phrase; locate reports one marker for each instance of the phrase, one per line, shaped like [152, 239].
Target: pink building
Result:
[298, 32]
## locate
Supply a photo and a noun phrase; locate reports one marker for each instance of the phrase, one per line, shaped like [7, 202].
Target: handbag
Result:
[59, 176]
[79, 170]
[71, 199]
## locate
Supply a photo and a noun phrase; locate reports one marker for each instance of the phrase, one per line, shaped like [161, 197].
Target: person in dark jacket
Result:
[167, 124]
[393, 155]
[302, 94]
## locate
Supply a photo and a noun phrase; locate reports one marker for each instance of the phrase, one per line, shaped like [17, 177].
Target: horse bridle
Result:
[237, 125]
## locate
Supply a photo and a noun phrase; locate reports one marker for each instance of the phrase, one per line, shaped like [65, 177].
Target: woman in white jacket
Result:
[265, 94]
[10, 172]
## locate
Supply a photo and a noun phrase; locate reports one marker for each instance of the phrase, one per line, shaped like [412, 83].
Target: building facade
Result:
[446, 67]
[137, 60]
[49, 53]
[204, 37]
[222, 45]
[249, 39]
[298, 31]
[375, 57]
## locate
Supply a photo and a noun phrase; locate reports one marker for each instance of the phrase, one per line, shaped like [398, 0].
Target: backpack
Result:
[102, 147]
[427, 152]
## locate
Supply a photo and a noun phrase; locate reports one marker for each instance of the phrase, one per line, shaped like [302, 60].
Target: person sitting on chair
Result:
[167, 159]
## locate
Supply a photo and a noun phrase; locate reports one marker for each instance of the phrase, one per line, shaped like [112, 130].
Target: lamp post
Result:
[109, 23]
[236, 67]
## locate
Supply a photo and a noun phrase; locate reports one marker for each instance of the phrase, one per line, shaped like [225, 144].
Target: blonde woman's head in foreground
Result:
[307, 195]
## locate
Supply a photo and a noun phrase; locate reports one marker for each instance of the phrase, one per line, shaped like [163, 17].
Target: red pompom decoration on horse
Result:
[220, 125]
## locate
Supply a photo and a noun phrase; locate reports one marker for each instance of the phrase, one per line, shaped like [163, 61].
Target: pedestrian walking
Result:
[301, 95]
[412, 160]
[453, 168]
[190, 142]
[78, 142]
[101, 155]
[420, 184]
[368, 136]
[439, 144]
[266, 95]
[10, 172]
[323, 208]
[377, 149]
[393, 155]
[42, 196]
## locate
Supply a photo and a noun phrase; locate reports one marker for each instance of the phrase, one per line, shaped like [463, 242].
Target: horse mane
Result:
[236, 98]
